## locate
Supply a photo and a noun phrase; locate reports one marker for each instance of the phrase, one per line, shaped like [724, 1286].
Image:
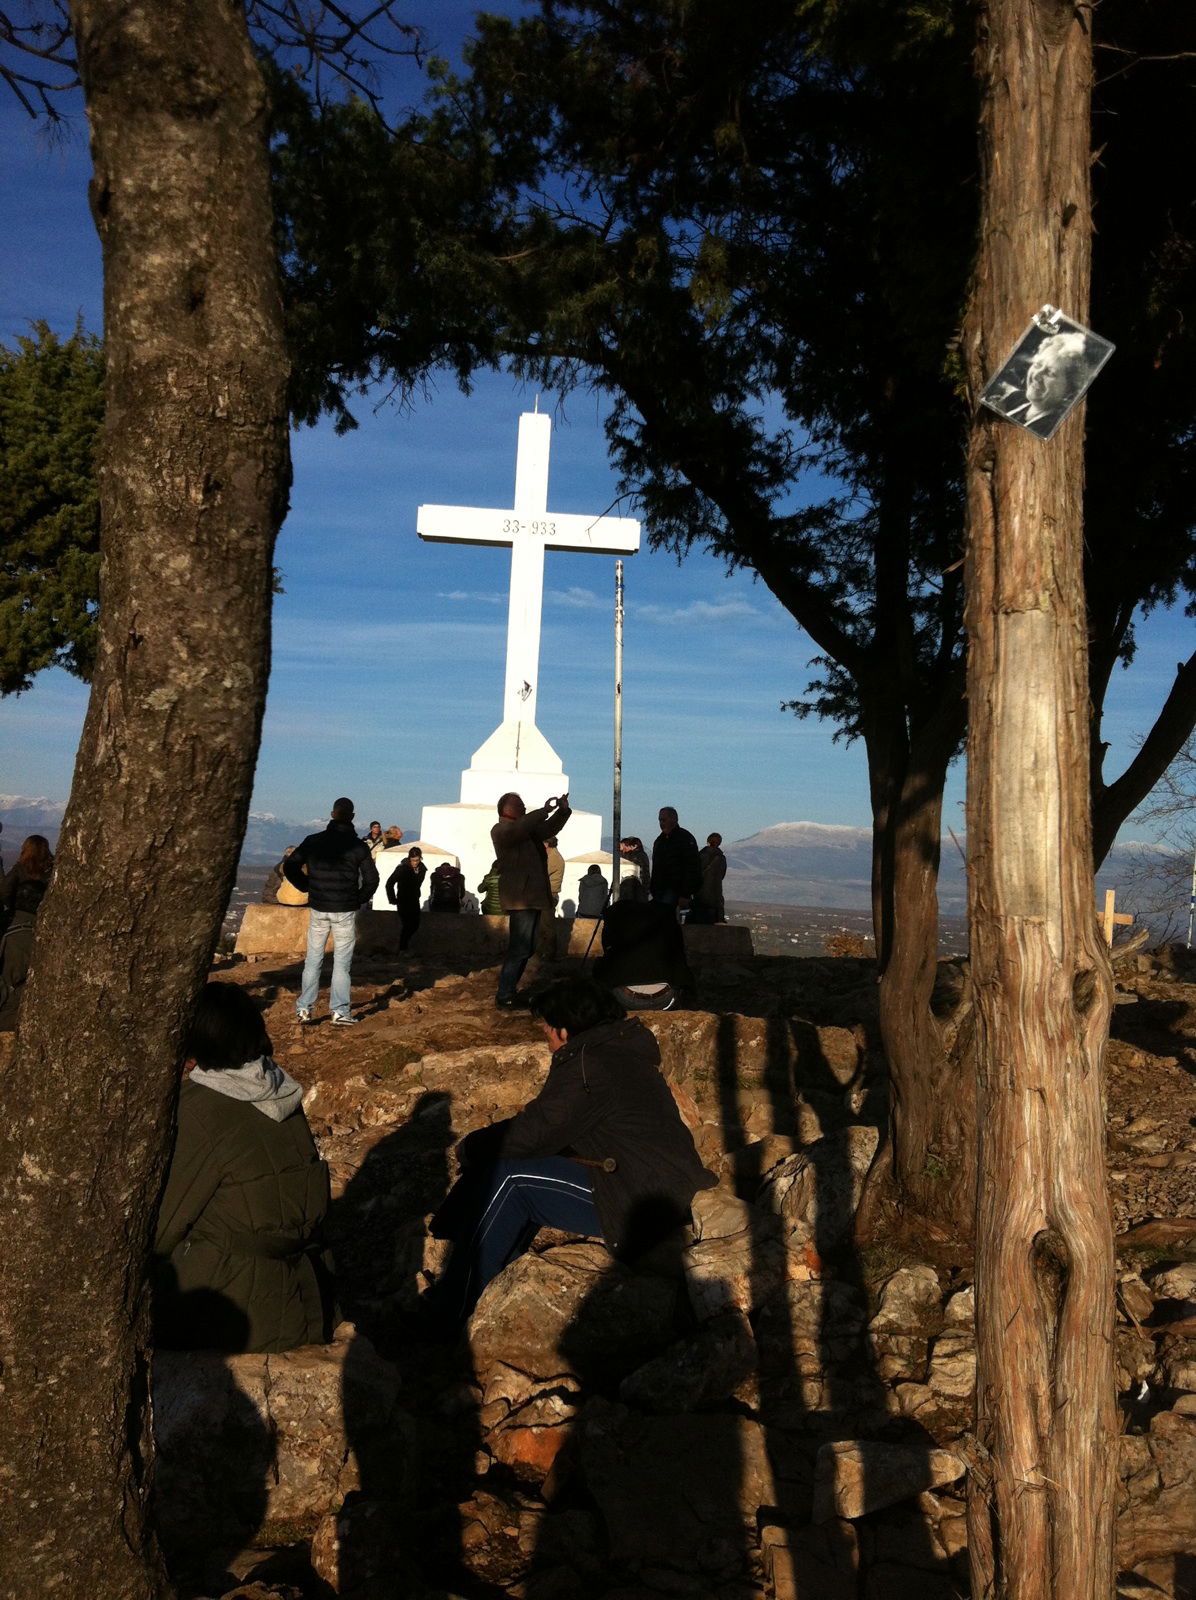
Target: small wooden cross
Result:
[1111, 917]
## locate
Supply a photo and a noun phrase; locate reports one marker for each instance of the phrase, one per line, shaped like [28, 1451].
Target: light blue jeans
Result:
[342, 925]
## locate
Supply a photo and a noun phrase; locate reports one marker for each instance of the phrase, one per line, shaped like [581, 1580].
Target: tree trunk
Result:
[931, 1163]
[193, 481]
[1041, 1498]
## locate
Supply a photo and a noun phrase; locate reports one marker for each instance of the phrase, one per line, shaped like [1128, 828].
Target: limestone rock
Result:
[708, 1366]
[529, 1439]
[910, 1309]
[1179, 1370]
[1157, 1517]
[910, 1301]
[952, 1370]
[740, 1271]
[853, 1477]
[1136, 1299]
[1175, 1283]
[572, 1309]
[960, 1310]
[817, 1192]
[244, 1438]
[820, 1561]
[813, 1324]
[363, 1547]
[680, 1490]
[718, 1214]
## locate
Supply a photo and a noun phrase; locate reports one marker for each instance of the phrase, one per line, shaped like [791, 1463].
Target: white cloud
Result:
[469, 595]
[700, 611]
[577, 599]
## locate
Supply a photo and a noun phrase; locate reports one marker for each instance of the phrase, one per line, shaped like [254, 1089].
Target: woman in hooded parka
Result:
[237, 1249]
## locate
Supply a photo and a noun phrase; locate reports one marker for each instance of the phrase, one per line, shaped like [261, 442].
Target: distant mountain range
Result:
[812, 864]
[266, 836]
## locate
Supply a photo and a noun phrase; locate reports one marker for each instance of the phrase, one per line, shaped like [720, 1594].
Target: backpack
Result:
[446, 888]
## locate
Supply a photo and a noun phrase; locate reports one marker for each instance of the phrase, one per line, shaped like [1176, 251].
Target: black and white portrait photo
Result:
[1050, 369]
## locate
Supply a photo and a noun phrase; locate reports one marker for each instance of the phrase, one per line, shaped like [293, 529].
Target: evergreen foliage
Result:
[51, 409]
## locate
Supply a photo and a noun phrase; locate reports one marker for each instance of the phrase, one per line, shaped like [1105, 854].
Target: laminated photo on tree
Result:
[1049, 371]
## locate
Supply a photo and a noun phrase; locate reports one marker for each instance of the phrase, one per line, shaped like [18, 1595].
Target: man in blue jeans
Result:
[338, 872]
[600, 1151]
[519, 848]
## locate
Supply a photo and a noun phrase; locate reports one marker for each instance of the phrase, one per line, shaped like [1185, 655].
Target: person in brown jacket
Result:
[237, 1252]
[519, 846]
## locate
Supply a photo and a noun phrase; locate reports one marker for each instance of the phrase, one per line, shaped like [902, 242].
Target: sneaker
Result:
[303, 1016]
[506, 1002]
[345, 1022]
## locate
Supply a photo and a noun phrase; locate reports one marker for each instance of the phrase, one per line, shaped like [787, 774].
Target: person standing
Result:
[34, 865]
[374, 839]
[489, 891]
[519, 838]
[340, 878]
[676, 870]
[708, 902]
[546, 937]
[403, 891]
[634, 869]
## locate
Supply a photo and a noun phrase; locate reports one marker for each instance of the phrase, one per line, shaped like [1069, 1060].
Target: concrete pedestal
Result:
[516, 757]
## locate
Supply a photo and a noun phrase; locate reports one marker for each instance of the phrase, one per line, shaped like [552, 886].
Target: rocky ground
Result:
[773, 1414]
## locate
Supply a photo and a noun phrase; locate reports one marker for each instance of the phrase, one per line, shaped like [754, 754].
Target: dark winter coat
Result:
[403, 886]
[642, 943]
[591, 895]
[341, 874]
[675, 865]
[16, 951]
[606, 1098]
[238, 1229]
[523, 857]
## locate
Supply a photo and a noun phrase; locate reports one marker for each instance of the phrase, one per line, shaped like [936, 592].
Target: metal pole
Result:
[1192, 898]
[617, 802]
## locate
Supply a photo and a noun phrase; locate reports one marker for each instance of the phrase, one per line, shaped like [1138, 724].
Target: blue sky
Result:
[388, 652]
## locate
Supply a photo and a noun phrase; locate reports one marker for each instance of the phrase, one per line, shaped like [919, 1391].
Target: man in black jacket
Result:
[341, 877]
[601, 1150]
[676, 870]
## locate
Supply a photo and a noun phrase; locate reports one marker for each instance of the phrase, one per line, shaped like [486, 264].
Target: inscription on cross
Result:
[529, 528]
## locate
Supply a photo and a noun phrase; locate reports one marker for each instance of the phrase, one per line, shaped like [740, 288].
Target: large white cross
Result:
[529, 528]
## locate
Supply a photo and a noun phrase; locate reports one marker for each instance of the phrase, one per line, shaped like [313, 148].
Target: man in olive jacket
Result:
[523, 886]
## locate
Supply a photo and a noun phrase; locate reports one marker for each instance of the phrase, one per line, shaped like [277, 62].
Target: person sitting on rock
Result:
[601, 1151]
[643, 956]
[592, 892]
[236, 1252]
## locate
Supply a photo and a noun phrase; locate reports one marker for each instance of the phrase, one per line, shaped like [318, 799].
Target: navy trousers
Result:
[521, 942]
[495, 1217]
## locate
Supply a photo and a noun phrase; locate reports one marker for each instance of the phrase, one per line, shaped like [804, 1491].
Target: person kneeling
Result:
[236, 1262]
[601, 1151]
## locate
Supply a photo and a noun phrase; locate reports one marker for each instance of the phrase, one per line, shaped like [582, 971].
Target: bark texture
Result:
[194, 477]
[1041, 1507]
[928, 1175]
